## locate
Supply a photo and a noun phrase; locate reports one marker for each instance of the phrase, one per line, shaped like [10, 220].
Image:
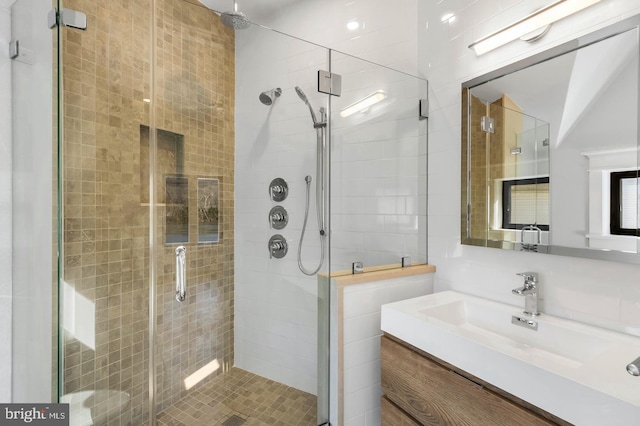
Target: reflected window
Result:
[525, 202]
[625, 203]
[177, 210]
[208, 210]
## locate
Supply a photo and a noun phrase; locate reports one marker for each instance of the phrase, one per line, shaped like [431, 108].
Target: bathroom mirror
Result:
[550, 150]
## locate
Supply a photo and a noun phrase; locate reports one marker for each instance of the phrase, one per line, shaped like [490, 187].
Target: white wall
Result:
[597, 292]
[5, 201]
[275, 304]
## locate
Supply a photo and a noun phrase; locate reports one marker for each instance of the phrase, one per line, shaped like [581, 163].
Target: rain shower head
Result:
[236, 20]
[270, 96]
[304, 98]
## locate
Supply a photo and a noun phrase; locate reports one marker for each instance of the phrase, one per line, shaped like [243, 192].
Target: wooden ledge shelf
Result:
[379, 273]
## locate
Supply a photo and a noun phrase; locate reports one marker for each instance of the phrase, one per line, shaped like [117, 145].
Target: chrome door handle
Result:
[181, 273]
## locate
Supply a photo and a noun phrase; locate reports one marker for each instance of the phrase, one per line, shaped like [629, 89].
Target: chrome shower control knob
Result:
[278, 247]
[278, 217]
[278, 189]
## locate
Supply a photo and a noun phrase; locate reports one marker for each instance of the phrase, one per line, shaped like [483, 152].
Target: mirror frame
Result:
[570, 46]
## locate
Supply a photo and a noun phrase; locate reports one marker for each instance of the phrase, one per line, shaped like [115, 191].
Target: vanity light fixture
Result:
[364, 103]
[541, 18]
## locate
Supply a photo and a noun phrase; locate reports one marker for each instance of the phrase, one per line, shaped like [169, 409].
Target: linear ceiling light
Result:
[545, 16]
[364, 103]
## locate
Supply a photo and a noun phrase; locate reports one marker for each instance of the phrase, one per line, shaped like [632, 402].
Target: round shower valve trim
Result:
[278, 217]
[278, 189]
[278, 247]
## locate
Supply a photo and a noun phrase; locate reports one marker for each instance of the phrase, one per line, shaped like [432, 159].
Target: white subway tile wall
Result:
[361, 338]
[596, 292]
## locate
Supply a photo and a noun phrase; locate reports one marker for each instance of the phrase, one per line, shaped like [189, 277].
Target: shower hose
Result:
[319, 206]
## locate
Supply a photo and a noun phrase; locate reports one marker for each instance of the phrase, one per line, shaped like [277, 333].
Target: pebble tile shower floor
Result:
[242, 398]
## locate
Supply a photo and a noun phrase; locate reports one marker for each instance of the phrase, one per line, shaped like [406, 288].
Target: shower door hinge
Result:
[487, 124]
[14, 49]
[19, 53]
[424, 109]
[67, 18]
[329, 83]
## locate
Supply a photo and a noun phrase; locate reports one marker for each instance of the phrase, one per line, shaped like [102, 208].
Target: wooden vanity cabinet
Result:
[420, 389]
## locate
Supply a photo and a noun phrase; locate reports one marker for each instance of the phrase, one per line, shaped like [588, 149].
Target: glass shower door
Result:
[234, 319]
[190, 150]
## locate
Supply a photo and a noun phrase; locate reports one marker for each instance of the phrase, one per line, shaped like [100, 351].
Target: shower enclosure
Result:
[179, 294]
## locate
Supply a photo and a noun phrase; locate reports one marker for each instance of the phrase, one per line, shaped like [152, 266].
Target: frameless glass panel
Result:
[378, 166]
[243, 344]
[105, 265]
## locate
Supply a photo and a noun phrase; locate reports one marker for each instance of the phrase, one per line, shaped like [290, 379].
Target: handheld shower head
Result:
[301, 95]
[304, 98]
[268, 97]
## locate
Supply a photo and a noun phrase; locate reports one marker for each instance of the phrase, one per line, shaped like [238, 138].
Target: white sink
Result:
[570, 369]
[490, 323]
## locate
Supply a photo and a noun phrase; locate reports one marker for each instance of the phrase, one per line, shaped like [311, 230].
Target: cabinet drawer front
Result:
[393, 416]
[434, 395]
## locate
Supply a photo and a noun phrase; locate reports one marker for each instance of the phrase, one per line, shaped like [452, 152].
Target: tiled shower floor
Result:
[248, 397]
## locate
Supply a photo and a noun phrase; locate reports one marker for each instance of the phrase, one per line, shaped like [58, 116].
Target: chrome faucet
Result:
[530, 292]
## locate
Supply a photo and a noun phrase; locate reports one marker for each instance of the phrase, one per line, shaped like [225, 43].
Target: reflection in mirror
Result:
[550, 150]
[509, 173]
[208, 210]
[177, 209]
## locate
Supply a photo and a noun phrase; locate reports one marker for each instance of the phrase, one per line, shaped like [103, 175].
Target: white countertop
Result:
[572, 370]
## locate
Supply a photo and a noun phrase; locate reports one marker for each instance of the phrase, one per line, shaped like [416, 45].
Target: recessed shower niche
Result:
[169, 159]
[174, 192]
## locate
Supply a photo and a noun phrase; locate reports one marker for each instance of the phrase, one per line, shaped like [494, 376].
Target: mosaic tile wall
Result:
[106, 256]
